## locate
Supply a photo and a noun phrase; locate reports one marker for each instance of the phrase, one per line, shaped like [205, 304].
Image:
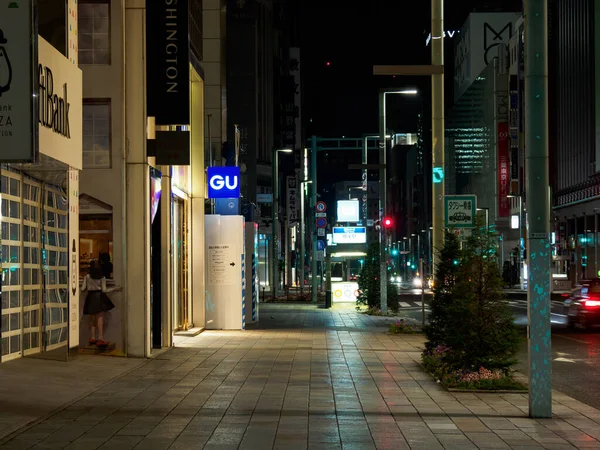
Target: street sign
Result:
[460, 211]
[320, 231]
[321, 214]
[264, 198]
[320, 245]
[321, 222]
[349, 235]
[321, 207]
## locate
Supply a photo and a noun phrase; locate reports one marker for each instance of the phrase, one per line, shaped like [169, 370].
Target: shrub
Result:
[369, 284]
[469, 315]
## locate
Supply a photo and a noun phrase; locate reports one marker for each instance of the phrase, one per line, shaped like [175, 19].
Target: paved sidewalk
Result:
[305, 379]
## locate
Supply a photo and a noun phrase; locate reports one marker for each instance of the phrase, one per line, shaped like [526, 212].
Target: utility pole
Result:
[539, 249]
[437, 128]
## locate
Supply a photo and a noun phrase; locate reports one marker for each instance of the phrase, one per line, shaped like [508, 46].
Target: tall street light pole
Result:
[383, 190]
[275, 220]
[538, 215]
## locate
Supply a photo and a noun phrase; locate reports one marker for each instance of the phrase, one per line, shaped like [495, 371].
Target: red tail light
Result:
[592, 303]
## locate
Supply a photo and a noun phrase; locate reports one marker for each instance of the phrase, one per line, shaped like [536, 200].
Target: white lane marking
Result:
[404, 305]
[571, 339]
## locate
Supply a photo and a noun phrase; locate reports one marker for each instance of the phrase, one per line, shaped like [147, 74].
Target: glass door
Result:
[181, 307]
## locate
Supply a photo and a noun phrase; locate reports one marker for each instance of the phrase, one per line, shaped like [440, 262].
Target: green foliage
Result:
[369, 284]
[446, 275]
[469, 315]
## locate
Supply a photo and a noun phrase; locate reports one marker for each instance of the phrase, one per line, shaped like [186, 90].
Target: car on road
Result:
[583, 306]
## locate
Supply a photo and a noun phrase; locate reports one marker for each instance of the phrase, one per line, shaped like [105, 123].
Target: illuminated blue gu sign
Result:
[223, 182]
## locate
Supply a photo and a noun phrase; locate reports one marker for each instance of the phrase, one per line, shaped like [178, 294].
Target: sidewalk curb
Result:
[13, 434]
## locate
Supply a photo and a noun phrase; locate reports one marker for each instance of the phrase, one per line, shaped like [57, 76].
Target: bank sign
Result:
[223, 182]
[60, 112]
[18, 124]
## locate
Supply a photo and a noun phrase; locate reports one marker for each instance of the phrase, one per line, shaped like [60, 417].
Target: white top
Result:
[94, 284]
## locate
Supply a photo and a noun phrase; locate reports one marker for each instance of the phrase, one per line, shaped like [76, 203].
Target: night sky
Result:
[341, 98]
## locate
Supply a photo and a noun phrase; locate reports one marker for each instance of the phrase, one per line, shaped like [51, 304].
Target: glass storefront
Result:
[35, 268]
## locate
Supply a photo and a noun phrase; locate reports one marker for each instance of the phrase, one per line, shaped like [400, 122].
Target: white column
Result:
[197, 204]
[137, 193]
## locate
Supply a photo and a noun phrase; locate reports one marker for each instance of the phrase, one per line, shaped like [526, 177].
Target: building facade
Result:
[39, 184]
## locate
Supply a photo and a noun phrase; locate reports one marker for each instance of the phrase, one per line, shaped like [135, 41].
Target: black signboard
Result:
[167, 61]
[173, 148]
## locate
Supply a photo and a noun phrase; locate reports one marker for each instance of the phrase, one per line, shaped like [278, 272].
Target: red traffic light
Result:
[387, 222]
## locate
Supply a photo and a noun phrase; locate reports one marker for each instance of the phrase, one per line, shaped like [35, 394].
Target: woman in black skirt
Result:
[96, 302]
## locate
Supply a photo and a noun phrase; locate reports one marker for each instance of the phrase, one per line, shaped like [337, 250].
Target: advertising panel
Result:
[223, 182]
[503, 170]
[18, 83]
[344, 292]
[168, 73]
[477, 45]
[347, 211]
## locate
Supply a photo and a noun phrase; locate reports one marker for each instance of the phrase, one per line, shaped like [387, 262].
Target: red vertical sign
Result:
[503, 170]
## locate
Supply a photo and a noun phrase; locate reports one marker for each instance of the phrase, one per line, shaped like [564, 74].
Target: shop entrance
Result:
[181, 306]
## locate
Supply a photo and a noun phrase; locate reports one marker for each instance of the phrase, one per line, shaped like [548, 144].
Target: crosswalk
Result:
[516, 303]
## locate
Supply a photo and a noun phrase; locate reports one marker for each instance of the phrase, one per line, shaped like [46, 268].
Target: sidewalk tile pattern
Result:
[305, 378]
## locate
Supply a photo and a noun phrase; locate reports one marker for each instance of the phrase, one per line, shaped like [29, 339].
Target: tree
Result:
[370, 286]
[469, 313]
[446, 274]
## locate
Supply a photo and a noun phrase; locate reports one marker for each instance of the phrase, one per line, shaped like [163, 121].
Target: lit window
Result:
[96, 134]
[94, 32]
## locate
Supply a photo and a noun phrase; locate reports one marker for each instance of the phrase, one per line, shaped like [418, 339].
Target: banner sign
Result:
[292, 200]
[168, 62]
[503, 170]
[18, 82]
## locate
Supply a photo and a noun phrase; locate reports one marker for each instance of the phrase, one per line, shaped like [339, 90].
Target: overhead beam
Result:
[422, 70]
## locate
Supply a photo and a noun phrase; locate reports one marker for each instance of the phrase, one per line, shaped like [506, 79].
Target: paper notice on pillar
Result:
[222, 265]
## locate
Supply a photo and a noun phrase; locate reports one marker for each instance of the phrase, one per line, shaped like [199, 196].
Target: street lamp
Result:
[275, 219]
[383, 188]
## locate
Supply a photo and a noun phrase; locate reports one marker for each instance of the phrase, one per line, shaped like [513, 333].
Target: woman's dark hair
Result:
[95, 270]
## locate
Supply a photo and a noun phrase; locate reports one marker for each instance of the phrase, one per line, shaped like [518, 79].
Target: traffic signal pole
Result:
[538, 203]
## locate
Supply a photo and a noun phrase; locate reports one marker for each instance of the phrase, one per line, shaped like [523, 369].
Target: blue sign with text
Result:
[223, 182]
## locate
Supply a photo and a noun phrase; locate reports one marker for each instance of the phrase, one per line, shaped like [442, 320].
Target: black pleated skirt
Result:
[97, 301]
